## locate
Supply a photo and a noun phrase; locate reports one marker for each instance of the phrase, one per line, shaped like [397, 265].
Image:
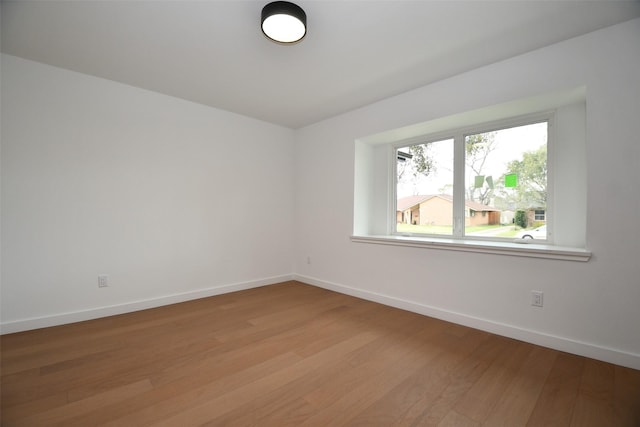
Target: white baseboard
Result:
[546, 340]
[82, 315]
[593, 351]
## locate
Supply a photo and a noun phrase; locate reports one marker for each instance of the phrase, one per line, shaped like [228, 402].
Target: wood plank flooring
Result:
[295, 355]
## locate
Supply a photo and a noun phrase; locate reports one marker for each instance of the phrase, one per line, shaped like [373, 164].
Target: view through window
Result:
[504, 187]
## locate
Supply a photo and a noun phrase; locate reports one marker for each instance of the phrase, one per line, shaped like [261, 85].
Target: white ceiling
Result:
[356, 51]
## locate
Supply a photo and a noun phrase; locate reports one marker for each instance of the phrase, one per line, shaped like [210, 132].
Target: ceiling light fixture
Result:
[284, 22]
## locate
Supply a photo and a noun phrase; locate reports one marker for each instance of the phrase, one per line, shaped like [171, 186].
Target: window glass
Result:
[424, 188]
[504, 187]
[506, 180]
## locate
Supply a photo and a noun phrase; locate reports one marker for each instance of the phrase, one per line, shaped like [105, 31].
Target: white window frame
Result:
[458, 136]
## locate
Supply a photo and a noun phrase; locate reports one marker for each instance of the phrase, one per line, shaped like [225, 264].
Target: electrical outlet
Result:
[308, 260]
[537, 299]
[103, 281]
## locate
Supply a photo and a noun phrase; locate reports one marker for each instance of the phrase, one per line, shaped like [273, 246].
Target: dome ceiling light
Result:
[284, 22]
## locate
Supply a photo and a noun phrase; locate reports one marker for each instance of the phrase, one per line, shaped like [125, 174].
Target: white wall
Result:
[173, 200]
[590, 308]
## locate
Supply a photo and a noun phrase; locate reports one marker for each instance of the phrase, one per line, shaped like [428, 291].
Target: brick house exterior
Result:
[438, 210]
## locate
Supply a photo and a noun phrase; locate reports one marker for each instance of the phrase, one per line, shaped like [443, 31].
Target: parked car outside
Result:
[536, 233]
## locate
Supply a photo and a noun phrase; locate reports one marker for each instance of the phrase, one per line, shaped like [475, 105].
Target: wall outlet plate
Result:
[537, 298]
[103, 281]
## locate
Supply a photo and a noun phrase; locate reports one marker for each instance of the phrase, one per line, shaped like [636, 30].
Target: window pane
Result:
[506, 183]
[425, 188]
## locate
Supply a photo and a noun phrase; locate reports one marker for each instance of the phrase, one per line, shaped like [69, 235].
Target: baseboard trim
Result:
[555, 342]
[590, 350]
[112, 310]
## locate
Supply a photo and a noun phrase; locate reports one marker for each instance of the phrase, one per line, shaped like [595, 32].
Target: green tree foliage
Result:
[477, 150]
[531, 191]
[521, 219]
[418, 163]
[423, 163]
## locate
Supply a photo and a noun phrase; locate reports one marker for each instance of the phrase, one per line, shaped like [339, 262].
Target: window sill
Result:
[500, 248]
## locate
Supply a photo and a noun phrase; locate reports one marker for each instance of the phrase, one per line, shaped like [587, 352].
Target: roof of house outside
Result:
[409, 202]
[405, 203]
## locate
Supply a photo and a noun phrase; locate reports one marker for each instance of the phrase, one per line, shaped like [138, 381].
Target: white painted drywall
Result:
[171, 199]
[175, 200]
[590, 308]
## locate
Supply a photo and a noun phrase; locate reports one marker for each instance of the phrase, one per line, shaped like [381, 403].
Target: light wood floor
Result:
[292, 354]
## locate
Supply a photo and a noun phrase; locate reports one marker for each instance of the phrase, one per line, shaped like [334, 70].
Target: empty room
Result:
[313, 213]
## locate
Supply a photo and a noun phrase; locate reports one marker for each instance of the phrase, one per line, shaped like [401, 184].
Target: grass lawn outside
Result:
[448, 230]
[511, 233]
[425, 229]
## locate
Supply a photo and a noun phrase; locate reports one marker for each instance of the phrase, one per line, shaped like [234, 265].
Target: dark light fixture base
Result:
[284, 22]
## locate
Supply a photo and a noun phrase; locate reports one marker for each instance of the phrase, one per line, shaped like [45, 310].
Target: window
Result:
[423, 172]
[425, 185]
[493, 188]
